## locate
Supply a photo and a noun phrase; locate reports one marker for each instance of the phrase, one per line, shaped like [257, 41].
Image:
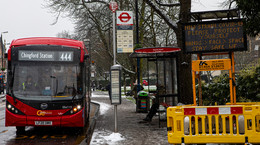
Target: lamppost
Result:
[3, 49]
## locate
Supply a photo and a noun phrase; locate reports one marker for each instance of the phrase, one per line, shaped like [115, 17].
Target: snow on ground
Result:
[93, 95]
[106, 137]
[103, 107]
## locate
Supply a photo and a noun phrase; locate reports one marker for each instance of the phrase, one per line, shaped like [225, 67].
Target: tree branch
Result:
[96, 1]
[169, 22]
[57, 18]
[167, 5]
[99, 28]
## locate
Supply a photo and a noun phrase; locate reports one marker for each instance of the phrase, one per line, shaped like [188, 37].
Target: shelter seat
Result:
[165, 101]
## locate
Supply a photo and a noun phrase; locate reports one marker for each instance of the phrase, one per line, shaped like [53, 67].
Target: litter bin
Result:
[142, 102]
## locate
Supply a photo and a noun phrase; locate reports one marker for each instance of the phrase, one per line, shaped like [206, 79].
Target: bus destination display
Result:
[217, 36]
[45, 55]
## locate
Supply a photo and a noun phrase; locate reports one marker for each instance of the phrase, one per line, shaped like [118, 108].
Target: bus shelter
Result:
[162, 74]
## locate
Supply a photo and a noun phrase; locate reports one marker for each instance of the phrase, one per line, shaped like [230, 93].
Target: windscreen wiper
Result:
[74, 94]
[74, 89]
[57, 82]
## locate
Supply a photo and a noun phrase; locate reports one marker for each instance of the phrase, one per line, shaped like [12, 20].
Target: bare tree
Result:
[184, 60]
[93, 20]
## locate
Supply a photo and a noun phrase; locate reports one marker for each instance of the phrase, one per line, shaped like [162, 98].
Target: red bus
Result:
[48, 83]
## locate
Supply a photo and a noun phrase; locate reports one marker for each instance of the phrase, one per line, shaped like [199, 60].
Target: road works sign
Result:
[209, 65]
[124, 18]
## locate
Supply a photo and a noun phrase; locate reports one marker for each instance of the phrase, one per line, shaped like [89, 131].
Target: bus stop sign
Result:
[113, 6]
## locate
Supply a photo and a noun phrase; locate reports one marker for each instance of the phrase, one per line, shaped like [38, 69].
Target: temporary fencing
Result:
[214, 124]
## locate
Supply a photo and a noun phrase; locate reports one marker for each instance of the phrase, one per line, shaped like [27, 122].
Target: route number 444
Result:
[66, 56]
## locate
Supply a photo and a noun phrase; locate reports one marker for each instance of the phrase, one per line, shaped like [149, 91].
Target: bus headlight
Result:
[13, 109]
[76, 108]
[9, 106]
[79, 107]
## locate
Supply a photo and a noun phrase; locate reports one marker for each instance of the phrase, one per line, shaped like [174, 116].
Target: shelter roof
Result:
[220, 14]
[153, 52]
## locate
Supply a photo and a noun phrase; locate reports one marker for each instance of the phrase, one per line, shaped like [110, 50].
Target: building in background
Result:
[2, 53]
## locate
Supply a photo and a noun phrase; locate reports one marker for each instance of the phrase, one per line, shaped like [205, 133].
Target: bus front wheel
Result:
[20, 130]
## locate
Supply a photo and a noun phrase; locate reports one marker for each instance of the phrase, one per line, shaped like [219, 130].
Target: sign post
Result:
[113, 7]
[115, 69]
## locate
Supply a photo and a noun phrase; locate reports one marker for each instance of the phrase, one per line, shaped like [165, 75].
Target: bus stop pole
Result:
[114, 62]
[115, 108]
[114, 37]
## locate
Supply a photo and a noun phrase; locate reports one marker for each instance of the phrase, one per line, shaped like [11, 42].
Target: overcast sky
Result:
[29, 18]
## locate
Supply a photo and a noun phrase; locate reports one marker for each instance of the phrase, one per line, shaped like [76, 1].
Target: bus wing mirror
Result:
[86, 56]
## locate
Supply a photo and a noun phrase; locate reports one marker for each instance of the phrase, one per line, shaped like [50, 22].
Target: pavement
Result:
[2, 97]
[131, 129]
[2, 100]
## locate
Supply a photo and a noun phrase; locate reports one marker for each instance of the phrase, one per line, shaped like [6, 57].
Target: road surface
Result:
[46, 135]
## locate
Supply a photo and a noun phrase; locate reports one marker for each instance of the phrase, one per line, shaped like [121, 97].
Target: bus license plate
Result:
[43, 122]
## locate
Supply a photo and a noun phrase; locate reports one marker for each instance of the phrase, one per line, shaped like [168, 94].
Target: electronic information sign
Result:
[27, 55]
[214, 36]
[115, 80]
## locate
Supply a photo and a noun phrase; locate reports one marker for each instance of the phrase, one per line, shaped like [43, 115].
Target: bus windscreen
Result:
[34, 81]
